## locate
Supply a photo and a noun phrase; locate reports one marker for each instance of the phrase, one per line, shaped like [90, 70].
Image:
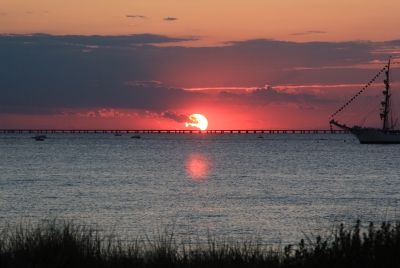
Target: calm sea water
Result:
[228, 185]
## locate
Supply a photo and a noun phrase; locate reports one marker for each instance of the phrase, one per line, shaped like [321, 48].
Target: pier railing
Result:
[176, 131]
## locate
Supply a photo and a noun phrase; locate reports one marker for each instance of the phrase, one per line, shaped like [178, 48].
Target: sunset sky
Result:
[149, 64]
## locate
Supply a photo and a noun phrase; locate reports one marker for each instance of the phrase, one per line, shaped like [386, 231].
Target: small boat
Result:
[387, 134]
[39, 137]
[135, 137]
[260, 137]
[118, 134]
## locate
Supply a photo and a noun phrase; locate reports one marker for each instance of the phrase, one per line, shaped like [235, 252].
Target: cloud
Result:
[100, 113]
[178, 117]
[169, 114]
[87, 114]
[150, 114]
[72, 113]
[111, 113]
[136, 16]
[170, 18]
[66, 41]
[267, 95]
[318, 32]
[308, 32]
[143, 83]
[47, 74]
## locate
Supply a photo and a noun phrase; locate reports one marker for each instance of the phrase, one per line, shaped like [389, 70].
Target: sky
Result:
[149, 64]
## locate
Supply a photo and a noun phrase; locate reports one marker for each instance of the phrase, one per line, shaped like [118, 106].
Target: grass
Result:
[60, 243]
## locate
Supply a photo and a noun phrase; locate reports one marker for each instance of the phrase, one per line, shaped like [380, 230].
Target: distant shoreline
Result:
[176, 131]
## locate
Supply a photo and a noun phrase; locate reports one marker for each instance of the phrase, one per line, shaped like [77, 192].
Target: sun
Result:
[199, 121]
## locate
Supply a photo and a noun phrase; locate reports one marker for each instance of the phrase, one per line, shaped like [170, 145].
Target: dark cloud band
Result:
[44, 73]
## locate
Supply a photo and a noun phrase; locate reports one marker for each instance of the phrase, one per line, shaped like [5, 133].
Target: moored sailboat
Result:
[387, 134]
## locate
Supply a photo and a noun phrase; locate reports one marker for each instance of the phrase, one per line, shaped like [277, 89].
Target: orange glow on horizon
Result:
[199, 121]
[197, 167]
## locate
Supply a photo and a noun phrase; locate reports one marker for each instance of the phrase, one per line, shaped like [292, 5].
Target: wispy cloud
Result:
[136, 16]
[111, 113]
[72, 113]
[170, 18]
[100, 113]
[287, 88]
[267, 95]
[88, 114]
[118, 42]
[221, 88]
[143, 83]
[308, 32]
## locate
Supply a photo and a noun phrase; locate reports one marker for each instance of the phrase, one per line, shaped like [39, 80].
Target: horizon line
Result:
[177, 131]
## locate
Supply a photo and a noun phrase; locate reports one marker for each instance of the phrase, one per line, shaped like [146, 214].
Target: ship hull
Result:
[376, 136]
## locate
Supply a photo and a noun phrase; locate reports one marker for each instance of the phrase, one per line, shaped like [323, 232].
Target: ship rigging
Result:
[387, 134]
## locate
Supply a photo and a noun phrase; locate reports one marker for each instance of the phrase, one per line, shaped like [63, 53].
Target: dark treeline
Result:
[59, 243]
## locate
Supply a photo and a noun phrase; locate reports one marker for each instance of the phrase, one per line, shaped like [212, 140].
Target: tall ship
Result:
[389, 133]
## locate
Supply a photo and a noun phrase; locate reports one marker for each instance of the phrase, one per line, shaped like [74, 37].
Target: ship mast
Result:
[385, 103]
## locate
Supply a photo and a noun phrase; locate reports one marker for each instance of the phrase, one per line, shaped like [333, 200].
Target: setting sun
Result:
[198, 121]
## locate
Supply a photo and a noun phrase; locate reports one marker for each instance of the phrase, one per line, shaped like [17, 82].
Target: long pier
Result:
[235, 131]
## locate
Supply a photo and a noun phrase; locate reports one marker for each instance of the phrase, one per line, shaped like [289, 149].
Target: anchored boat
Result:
[387, 134]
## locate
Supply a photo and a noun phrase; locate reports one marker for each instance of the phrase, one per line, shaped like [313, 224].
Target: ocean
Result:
[231, 186]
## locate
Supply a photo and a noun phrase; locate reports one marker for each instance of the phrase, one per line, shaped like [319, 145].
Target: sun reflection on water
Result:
[197, 167]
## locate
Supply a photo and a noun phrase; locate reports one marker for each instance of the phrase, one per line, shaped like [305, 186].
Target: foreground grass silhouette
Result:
[59, 243]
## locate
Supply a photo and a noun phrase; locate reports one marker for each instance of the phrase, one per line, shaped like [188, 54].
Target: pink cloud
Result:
[111, 113]
[88, 114]
[71, 113]
[143, 83]
[149, 114]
